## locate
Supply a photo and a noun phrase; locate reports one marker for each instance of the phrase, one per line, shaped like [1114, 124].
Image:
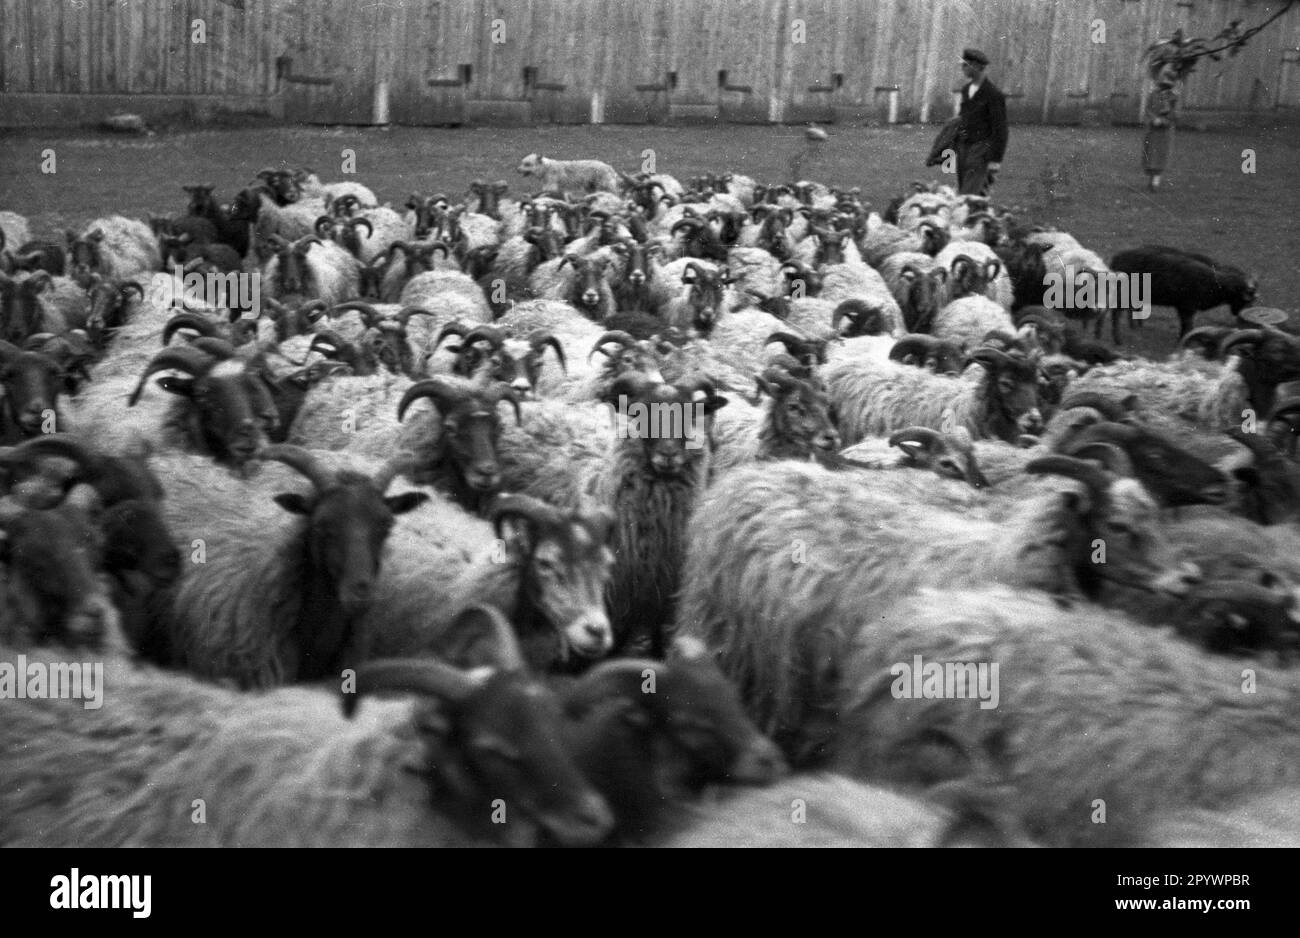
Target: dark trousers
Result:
[973, 168]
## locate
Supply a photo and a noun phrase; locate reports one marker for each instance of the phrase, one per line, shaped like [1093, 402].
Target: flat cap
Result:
[974, 55]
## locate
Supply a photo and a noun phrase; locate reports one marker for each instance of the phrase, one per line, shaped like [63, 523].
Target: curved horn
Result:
[421, 675]
[1206, 338]
[185, 358]
[926, 436]
[1080, 469]
[624, 339]
[200, 324]
[405, 314]
[452, 328]
[324, 226]
[1250, 337]
[369, 315]
[1112, 457]
[991, 358]
[295, 457]
[526, 507]
[442, 391]
[540, 339]
[1112, 410]
[357, 222]
[911, 345]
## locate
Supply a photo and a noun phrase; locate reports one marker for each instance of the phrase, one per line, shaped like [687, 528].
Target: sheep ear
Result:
[173, 384]
[716, 402]
[293, 502]
[401, 504]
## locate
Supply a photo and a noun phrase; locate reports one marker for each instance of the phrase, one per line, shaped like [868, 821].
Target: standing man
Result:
[982, 132]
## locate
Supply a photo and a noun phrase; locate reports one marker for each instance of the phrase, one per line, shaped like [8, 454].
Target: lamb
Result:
[116, 247]
[1188, 282]
[875, 398]
[295, 614]
[1075, 721]
[787, 562]
[287, 769]
[571, 177]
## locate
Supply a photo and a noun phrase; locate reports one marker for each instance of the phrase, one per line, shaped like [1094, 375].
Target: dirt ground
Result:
[1087, 181]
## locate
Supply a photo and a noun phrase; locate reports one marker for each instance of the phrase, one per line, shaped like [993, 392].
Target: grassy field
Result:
[1208, 205]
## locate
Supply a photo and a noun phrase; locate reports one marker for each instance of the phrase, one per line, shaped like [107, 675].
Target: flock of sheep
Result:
[264, 516]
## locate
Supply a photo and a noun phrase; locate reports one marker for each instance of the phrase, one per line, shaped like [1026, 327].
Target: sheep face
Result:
[564, 562]
[947, 454]
[704, 296]
[1116, 515]
[923, 297]
[1011, 394]
[589, 288]
[108, 306]
[20, 306]
[830, 247]
[799, 418]
[468, 444]
[862, 319]
[232, 409]
[31, 383]
[55, 591]
[678, 421]
[139, 542]
[1170, 473]
[507, 743]
[295, 273]
[84, 253]
[348, 525]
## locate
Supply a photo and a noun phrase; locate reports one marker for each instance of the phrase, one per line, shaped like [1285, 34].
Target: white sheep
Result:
[787, 561]
[1092, 709]
[968, 319]
[117, 247]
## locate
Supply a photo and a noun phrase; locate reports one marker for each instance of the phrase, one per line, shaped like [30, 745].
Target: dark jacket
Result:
[984, 119]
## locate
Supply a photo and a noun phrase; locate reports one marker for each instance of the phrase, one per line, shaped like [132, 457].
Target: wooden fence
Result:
[448, 61]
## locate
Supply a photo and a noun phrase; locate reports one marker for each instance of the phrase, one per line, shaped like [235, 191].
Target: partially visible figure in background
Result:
[982, 132]
[1161, 106]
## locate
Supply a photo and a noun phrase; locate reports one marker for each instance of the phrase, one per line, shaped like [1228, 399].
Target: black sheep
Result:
[1188, 282]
